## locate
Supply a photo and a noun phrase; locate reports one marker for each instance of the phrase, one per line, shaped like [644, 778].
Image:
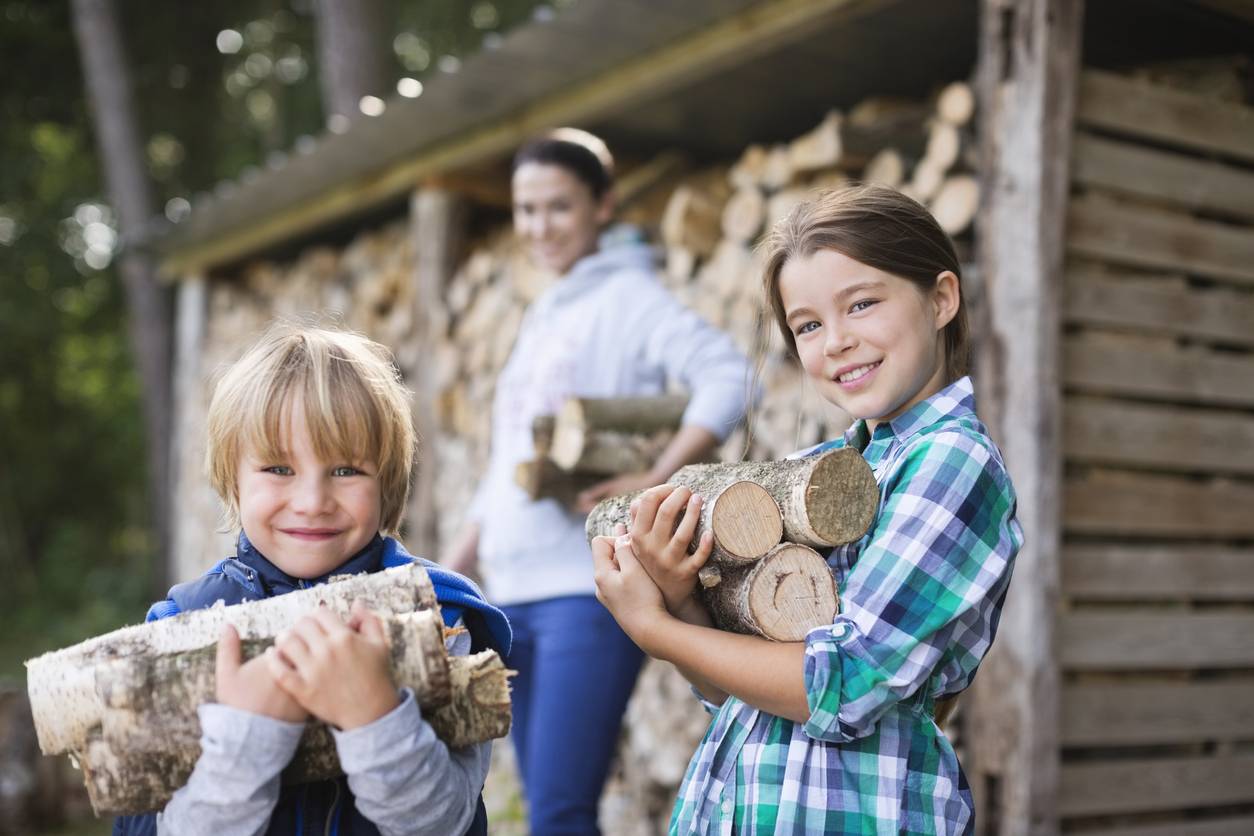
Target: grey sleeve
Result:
[406, 780]
[235, 784]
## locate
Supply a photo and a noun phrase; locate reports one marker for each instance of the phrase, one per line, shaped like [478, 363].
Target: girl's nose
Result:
[838, 341]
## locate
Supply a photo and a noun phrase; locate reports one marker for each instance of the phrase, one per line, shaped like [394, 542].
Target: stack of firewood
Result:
[753, 582]
[124, 704]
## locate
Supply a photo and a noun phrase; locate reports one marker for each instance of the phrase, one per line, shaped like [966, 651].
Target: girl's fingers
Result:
[688, 525]
[694, 561]
[670, 509]
[603, 554]
[646, 511]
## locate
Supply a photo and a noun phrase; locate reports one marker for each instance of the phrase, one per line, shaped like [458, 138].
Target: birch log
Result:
[124, 704]
[781, 597]
[742, 516]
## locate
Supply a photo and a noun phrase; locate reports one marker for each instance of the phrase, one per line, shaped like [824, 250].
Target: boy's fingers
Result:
[368, 623]
[283, 674]
[292, 647]
[228, 655]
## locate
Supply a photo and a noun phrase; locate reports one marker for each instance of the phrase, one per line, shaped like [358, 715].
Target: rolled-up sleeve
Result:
[926, 590]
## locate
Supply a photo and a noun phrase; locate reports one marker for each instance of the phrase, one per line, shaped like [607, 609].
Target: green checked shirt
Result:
[920, 596]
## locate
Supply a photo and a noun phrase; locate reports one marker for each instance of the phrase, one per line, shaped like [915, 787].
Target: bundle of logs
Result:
[754, 583]
[592, 439]
[124, 704]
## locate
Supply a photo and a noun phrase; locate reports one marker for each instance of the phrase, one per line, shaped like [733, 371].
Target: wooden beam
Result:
[1160, 305]
[735, 39]
[1131, 369]
[1148, 784]
[1167, 437]
[1139, 108]
[1154, 571]
[1188, 182]
[1143, 713]
[1193, 826]
[1028, 71]
[1145, 506]
[1127, 233]
[1156, 640]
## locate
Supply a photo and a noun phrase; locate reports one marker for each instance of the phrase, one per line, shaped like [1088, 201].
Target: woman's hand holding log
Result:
[663, 522]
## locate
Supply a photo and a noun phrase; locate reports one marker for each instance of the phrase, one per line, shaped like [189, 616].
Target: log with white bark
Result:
[124, 704]
[782, 596]
[613, 435]
[742, 516]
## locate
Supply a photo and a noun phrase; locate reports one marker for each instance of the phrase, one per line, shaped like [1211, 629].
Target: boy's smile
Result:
[307, 515]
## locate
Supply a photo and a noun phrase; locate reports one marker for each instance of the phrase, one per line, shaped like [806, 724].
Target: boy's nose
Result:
[311, 496]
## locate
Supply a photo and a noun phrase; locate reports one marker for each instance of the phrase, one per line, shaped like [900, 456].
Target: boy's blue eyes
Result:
[284, 470]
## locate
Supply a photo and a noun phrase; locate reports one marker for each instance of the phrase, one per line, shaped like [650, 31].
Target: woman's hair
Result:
[880, 227]
[355, 405]
[579, 152]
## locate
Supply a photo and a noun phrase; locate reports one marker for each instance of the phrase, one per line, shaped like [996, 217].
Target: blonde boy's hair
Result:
[355, 405]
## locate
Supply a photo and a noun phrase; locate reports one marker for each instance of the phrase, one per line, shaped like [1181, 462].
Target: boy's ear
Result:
[945, 298]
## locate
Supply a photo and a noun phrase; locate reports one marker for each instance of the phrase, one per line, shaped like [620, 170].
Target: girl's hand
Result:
[249, 686]
[338, 672]
[625, 588]
[661, 538]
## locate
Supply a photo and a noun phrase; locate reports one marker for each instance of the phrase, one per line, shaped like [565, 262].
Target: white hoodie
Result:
[607, 329]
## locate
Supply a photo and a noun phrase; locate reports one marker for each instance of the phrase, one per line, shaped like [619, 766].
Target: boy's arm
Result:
[235, 784]
[405, 779]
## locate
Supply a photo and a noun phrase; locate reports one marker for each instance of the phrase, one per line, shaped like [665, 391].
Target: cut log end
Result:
[793, 593]
[746, 521]
[842, 497]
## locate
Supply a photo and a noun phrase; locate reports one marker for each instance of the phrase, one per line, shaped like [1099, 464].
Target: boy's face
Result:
[307, 515]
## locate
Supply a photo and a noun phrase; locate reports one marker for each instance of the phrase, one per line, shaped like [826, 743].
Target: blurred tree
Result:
[107, 77]
[352, 53]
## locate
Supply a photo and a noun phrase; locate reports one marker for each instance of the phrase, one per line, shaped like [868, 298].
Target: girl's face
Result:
[556, 214]
[872, 342]
[307, 515]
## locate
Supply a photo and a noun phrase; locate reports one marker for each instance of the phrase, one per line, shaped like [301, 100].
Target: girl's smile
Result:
[871, 341]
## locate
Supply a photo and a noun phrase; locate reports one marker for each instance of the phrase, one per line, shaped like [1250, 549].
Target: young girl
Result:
[606, 328]
[311, 445]
[835, 735]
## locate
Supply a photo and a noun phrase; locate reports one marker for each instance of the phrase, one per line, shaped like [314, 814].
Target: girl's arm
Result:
[764, 674]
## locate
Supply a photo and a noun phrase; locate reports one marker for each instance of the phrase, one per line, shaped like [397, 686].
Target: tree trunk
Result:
[124, 704]
[742, 516]
[781, 597]
[107, 78]
[352, 53]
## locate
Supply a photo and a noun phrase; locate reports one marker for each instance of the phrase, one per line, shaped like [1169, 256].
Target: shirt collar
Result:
[369, 559]
[954, 401]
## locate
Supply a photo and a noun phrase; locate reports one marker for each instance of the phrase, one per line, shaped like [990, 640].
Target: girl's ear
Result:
[945, 298]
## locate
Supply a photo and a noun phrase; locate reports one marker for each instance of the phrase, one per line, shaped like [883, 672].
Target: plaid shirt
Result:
[921, 593]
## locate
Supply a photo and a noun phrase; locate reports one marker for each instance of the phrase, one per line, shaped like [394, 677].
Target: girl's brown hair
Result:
[354, 403]
[880, 227]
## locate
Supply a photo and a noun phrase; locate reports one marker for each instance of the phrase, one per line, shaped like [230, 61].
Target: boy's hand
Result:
[625, 588]
[660, 538]
[249, 686]
[338, 672]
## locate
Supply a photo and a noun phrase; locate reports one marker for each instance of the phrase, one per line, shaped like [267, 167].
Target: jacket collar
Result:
[276, 582]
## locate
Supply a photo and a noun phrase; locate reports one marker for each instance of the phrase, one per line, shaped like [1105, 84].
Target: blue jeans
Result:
[576, 669]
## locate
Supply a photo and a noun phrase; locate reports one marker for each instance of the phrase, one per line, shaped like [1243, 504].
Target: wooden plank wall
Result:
[1156, 634]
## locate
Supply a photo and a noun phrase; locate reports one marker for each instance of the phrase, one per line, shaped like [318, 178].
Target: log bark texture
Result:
[614, 435]
[124, 704]
[542, 479]
[742, 516]
[781, 597]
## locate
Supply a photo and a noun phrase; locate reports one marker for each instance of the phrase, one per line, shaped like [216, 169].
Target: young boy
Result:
[310, 446]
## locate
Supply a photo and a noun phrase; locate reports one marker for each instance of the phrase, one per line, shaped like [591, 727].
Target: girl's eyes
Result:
[807, 327]
[861, 305]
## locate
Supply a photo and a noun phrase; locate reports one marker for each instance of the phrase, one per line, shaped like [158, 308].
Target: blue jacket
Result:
[250, 576]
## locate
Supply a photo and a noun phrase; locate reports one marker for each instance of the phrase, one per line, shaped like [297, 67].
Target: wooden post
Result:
[1029, 68]
[438, 225]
